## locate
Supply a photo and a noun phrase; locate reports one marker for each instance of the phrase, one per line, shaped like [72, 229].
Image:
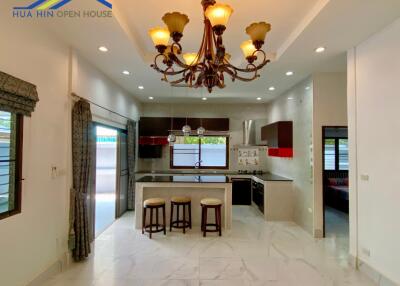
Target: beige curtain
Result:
[82, 142]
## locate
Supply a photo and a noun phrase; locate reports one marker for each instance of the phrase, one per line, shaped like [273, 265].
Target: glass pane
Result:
[186, 151]
[213, 151]
[7, 158]
[106, 178]
[329, 154]
[343, 154]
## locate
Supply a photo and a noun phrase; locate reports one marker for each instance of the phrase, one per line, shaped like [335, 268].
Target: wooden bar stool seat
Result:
[181, 223]
[153, 227]
[211, 203]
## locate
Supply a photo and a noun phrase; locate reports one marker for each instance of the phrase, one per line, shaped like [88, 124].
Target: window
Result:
[209, 152]
[10, 163]
[336, 154]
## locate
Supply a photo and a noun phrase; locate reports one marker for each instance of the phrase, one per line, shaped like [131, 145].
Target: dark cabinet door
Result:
[154, 126]
[278, 134]
[241, 192]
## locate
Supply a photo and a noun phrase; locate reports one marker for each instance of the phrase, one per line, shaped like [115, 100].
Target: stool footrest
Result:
[175, 224]
[154, 228]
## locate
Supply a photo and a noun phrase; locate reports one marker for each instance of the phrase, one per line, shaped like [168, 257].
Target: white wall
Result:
[330, 109]
[33, 240]
[374, 129]
[296, 105]
[92, 84]
[236, 113]
[36, 239]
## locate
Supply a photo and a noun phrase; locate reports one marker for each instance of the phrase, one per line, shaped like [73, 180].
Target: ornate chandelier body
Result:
[207, 67]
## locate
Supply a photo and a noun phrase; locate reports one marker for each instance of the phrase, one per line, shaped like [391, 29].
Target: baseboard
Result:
[376, 276]
[54, 269]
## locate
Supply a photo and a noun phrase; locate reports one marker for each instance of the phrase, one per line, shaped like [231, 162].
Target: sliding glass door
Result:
[106, 178]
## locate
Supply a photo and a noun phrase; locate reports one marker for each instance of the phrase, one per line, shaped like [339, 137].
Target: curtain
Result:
[82, 142]
[131, 127]
[16, 95]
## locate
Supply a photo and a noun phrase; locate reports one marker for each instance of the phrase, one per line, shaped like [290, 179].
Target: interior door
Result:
[122, 174]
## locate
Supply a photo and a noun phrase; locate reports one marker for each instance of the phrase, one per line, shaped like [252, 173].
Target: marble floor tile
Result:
[253, 253]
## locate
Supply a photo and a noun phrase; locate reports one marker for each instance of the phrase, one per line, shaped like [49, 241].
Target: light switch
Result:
[364, 177]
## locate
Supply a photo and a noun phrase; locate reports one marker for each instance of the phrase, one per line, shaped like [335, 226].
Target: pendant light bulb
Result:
[200, 131]
[186, 130]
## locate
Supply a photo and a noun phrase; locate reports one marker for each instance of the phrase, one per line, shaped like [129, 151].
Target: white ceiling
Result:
[298, 27]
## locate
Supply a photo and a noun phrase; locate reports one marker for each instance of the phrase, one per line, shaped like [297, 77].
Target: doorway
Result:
[335, 181]
[106, 178]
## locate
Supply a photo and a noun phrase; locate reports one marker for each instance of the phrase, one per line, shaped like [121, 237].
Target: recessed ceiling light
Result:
[126, 72]
[140, 87]
[272, 88]
[204, 98]
[151, 98]
[258, 98]
[307, 87]
[290, 98]
[320, 50]
[103, 49]
[289, 73]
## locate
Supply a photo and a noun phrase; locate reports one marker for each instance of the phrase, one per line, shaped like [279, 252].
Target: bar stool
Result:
[210, 203]
[153, 204]
[178, 202]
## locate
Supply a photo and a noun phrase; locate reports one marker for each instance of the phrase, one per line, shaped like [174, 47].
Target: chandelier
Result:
[207, 67]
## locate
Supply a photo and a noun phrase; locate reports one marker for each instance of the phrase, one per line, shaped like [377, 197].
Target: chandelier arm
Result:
[235, 75]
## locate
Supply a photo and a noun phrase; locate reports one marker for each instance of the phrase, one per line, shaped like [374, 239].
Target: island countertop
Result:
[266, 177]
[184, 179]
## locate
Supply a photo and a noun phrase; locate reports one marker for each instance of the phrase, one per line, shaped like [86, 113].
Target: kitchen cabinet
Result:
[160, 126]
[241, 191]
[154, 126]
[279, 138]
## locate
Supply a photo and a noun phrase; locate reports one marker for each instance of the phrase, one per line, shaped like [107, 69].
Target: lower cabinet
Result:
[241, 191]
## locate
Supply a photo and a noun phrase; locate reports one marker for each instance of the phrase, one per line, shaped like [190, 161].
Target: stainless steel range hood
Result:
[249, 128]
[249, 133]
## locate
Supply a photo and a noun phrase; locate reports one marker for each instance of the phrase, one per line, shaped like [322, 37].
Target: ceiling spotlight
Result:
[103, 49]
[272, 88]
[289, 73]
[258, 98]
[126, 72]
[204, 98]
[320, 50]
[140, 87]
[151, 98]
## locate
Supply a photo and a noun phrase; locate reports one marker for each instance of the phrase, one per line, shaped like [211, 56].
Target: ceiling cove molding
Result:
[132, 35]
[318, 7]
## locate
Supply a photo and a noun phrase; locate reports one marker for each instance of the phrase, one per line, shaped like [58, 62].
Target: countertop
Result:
[201, 179]
[266, 177]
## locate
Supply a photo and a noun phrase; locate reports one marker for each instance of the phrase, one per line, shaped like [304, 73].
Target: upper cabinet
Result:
[279, 138]
[160, 126]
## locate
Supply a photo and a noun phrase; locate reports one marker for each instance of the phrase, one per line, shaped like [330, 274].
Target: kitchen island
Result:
[195, 187]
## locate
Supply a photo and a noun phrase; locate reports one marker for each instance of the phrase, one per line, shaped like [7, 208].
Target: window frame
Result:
[18, 169]
[226, 167]
[336, 139]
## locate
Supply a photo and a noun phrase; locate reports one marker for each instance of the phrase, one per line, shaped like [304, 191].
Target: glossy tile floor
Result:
[254, 252]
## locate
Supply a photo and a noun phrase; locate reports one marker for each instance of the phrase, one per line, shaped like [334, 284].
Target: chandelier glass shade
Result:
[209, 66]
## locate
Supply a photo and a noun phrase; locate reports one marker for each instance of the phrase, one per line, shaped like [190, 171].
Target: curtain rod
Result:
[94, 103]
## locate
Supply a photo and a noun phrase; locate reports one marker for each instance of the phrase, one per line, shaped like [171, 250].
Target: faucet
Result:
[197, 164]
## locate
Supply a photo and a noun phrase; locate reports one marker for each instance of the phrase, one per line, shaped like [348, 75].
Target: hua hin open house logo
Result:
[59, 9]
